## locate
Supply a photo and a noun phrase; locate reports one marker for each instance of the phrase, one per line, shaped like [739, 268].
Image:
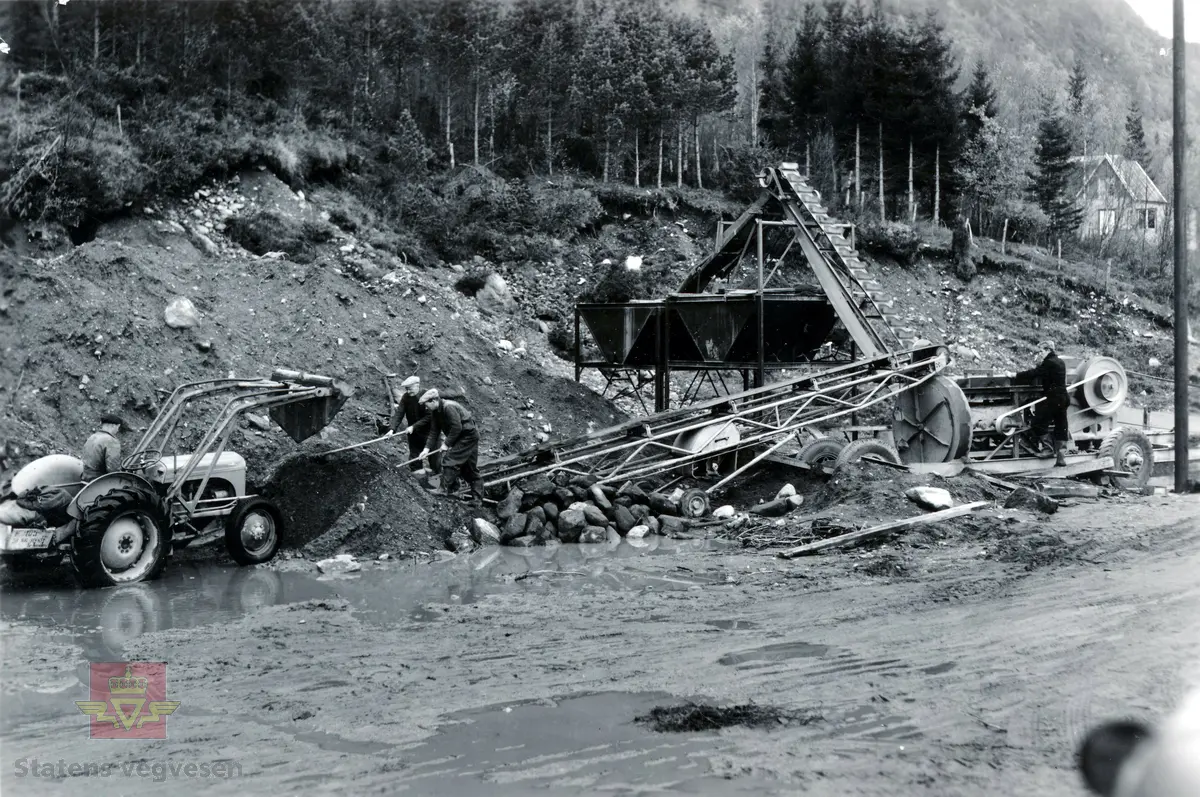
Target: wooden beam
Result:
[855, 537]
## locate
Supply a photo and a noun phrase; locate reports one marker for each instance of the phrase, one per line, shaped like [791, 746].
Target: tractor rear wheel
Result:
[253, 532]
[124, 537]
[1131, 451]
[863, 448]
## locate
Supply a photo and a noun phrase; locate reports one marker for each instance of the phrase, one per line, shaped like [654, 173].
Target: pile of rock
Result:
[574, 509]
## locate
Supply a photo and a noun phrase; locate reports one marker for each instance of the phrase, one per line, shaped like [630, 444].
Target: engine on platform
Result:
[982, 417]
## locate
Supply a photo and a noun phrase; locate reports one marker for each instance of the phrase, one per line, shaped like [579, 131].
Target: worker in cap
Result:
[409, 417]
[1051, 375]
[461, 445]
[102, 451]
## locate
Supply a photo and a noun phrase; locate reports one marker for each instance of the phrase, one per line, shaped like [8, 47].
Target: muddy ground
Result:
[516, 672]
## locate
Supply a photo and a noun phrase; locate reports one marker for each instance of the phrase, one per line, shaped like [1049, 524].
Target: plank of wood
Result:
[856, 537]
[885, 462]
[945, 469]
[1007, 485]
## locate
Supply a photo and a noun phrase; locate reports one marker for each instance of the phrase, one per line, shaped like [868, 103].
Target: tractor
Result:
[122, 527]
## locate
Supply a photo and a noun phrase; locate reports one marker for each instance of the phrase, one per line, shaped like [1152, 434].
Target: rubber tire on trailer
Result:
[87, 542]
[694, 504]
[1117, 445]
[234, 542]
[822, 452]
[860, 448]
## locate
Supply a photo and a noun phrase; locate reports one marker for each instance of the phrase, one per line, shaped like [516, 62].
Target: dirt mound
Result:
[359, 502]
[90, 336]
[694, 717]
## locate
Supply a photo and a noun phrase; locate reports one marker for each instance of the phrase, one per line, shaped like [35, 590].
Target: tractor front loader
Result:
[121, 527]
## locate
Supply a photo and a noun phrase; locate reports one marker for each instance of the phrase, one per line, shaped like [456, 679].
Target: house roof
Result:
[1133, 177]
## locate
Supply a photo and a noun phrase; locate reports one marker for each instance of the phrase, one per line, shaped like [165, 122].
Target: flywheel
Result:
[932, 422]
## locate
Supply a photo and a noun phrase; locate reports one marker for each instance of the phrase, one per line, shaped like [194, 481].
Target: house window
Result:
[1151, 218]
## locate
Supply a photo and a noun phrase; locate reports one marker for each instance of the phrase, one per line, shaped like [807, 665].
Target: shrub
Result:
[889, 238]
[623, 285]
[564, 211]
[271, 231]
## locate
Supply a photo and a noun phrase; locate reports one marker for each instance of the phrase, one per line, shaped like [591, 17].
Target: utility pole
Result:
[1178, 145]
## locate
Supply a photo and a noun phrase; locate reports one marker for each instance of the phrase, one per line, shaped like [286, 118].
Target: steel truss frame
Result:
[766, 418]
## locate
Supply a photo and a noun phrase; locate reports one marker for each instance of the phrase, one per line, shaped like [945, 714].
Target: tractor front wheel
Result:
[124, 537]
[254, 531]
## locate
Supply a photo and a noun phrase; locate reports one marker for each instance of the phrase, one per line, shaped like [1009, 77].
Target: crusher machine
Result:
[716, 440]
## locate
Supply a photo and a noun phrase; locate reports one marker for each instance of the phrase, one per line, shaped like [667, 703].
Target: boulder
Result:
[342, 563]
[540, 488]
[723, 512]
[672, 525]
[622, 500]
[563, 497]
[594, 516]
[640, 512]
[524, 541]
[571, 524]
[632, 491]
[495, 297]
[461, 542]
[537, 513]
[550, 511]
[653, 523]
[181, 313]
[934, 498]
[637, 532]
[624, 519]
[599, 498]
[484, 533]
[513, 528]
[510, 505]
[579, 493]
[534, 527]
[785, 491]
[584, 481]
[795, 500]
[662, 505]
[593, 534]
[1024, 498]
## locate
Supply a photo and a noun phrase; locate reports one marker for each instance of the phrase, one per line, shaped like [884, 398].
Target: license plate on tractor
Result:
[24, 539]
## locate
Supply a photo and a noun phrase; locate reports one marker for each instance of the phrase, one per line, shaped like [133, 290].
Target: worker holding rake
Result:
[416, 420]
[461, 444]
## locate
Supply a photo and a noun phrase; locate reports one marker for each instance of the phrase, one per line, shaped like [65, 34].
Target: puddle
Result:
[197, 593]
[769, 654]
[580, 744]
[938, 669]
[732, 625]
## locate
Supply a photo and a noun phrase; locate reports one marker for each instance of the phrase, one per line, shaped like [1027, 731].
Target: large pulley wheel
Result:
[932, 422]
[1105, 385]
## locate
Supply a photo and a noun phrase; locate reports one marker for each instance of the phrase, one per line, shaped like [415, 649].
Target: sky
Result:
[1159, 15]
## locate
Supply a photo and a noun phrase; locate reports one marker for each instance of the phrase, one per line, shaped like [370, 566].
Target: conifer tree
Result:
[1051, 178]
[1135, 137]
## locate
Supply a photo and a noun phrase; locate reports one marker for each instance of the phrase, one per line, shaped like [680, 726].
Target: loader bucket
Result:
[303, 419]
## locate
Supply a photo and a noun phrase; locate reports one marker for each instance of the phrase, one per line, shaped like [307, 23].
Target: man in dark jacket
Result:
[453, 420]
[412, 419]
[1051, 374]
[102, 451]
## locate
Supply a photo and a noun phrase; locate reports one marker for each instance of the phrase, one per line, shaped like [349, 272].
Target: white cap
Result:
[428, 395]
[412, 380]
